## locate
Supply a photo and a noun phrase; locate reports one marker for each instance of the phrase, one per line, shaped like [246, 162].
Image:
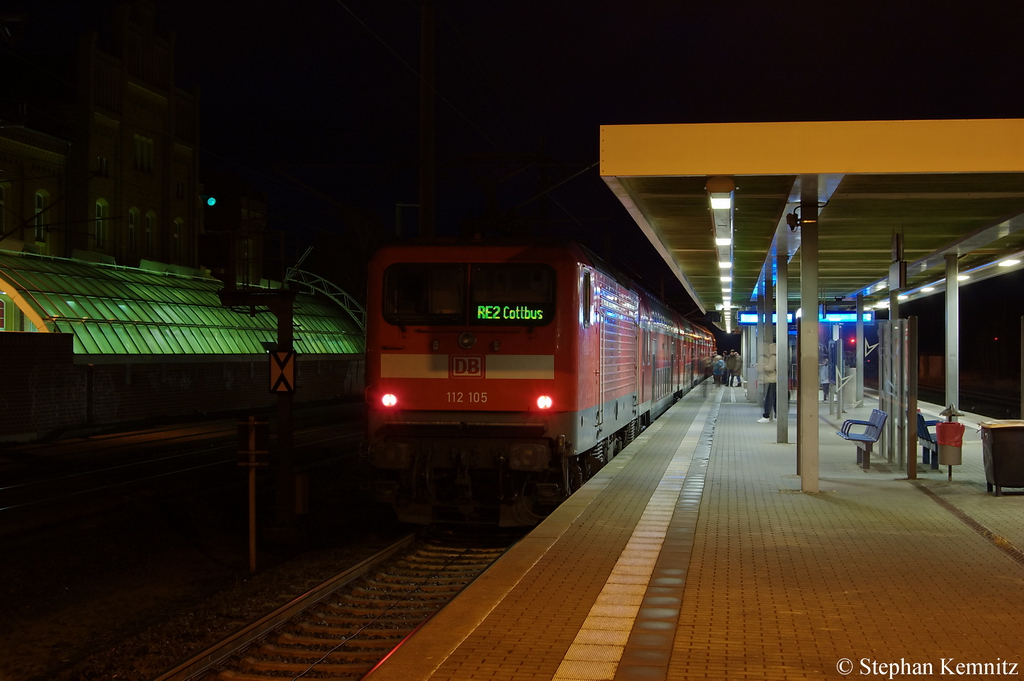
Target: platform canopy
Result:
[944, 186]
[115, 310]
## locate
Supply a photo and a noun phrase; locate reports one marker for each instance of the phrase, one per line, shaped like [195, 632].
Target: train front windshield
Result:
[480, 294]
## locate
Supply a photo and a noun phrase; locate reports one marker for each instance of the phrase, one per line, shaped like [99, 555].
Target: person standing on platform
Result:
[734, 365]
[718, 370]
[824, 377]
[768, 375]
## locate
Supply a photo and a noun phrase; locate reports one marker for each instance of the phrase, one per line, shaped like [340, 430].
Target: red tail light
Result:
[389, 400]
[544, 402]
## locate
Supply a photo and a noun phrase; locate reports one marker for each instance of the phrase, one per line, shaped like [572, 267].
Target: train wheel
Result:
[575, 474]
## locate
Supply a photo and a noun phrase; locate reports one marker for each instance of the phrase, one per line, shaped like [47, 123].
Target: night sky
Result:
[316, 101]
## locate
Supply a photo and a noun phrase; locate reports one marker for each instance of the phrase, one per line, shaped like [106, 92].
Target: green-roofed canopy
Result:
[125, 311]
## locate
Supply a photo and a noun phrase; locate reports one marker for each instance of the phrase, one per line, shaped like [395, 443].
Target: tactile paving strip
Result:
[627, 600]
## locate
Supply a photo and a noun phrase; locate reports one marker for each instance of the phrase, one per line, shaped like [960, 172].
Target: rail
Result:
[239, 640]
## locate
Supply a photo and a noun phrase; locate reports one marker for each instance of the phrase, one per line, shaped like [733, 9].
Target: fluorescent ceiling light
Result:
[726, 278]
[724, 264]
[1009, 263]
[721, 202]
[963, 277]
[723, 241]
[927, 289]
[902, 296]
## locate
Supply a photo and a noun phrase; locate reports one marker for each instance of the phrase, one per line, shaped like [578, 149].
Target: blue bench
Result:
[872, 431]
[926, 439]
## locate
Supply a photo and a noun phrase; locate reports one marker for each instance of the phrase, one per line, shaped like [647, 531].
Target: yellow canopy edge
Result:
[791, 148]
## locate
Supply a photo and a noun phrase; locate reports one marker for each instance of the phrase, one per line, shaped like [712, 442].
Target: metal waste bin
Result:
[950, 436]
[1003, 453]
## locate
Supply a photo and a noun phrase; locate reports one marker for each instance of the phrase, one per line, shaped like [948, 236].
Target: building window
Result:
[180, 189]
[101, 224]
[39, 225]
[133, 219]
[3, 316]
[143, 154]
[101, 166]
[150, 219]
[3, 208]
[176, 240]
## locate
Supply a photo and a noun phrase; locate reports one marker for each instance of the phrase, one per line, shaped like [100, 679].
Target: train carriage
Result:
[500, 377]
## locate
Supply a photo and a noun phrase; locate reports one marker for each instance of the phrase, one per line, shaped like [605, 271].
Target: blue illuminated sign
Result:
[750, 318]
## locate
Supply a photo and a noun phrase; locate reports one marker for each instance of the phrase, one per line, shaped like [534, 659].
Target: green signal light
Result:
[210, 201]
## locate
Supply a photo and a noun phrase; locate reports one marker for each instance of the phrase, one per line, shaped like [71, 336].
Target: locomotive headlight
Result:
[544, 402]
[525, 456]
[466, 340]
[389, 400]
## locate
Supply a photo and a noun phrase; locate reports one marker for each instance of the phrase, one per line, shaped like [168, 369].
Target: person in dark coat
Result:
[768, 374]
[734, 365]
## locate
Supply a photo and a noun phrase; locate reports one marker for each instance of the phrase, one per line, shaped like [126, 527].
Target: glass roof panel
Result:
[112, 338]
[177, 314]
[87, 340]
[128, 339]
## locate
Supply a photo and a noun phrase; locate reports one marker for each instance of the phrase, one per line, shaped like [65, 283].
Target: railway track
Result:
[121, 467]
[344, 627]
[995, 405]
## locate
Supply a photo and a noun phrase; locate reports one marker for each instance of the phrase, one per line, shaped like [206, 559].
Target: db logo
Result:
[466, 366]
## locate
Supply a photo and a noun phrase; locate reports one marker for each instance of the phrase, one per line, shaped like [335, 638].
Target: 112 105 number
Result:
[471, 397]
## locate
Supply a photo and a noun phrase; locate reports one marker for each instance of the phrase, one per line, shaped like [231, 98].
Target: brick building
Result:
[98, 155]
[100, 260]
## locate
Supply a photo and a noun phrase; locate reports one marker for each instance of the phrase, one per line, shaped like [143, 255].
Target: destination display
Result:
[532, 314]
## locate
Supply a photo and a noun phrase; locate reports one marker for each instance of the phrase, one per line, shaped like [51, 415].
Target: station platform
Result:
[695, 555]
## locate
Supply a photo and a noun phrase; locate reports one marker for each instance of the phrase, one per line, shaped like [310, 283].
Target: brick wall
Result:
[45, 388]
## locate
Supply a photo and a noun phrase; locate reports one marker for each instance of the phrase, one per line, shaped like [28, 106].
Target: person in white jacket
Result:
[767, 374]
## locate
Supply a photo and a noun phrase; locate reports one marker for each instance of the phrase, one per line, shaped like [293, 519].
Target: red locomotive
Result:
[501, 377]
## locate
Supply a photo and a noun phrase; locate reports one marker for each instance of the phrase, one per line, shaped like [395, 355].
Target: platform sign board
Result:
[750, 318]
[282, 372]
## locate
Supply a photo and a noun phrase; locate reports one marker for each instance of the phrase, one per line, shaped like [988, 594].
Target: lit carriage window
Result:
[512, 294]
[586, 298]
[423, 294]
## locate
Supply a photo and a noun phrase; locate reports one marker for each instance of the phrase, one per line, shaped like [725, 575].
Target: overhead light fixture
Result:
[724, 264]
[902, 296]
[726, 278]
[720, 191]
[1009, 263]
[927, 289]
[723, 241]
[963, 277]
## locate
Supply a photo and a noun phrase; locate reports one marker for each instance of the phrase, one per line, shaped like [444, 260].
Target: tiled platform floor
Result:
[695, 555]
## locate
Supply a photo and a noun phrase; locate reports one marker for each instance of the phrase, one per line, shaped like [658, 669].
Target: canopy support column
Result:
[859, 394]
[807, 394]
[952, 331]
[782, 334]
